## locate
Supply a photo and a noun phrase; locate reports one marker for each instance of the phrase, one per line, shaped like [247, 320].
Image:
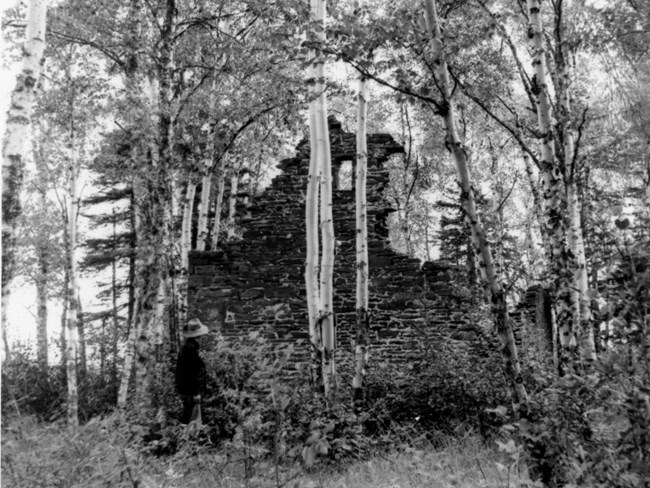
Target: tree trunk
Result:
[132, 77]
[488, 272]
[311, 234]
[5, 339]
[361, 351]
[102, 353]
[81, 327]
[232, 200]
[208, 163]
[326, 317]
[133, 246]
[16, 147]
[553, 201]
[218, 201]
[41, 300]
[565, 66]
[64, 313]
[186, 246]
[73, 300]
[116, 322]
[154, 236]
[129, 361]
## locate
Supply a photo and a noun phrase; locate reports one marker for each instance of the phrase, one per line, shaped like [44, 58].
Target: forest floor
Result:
[104, 453]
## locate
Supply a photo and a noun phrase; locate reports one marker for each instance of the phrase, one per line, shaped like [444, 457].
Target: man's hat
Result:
[195, 328]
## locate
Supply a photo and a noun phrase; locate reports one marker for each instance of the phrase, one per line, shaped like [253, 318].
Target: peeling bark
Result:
[17, 138]
[232, 201]
[218, 201]
[72, 339]
[42, 282]
[361, 352]
[206, 180]
[186, 246]
[553, 198]
[488, 270]
[311, 223]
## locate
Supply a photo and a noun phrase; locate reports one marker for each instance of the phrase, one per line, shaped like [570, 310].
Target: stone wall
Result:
[258, 281]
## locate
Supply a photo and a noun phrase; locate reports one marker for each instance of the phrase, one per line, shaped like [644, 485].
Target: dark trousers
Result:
[188, 407]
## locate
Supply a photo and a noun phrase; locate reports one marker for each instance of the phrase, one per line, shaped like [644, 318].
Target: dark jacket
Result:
[190, 370]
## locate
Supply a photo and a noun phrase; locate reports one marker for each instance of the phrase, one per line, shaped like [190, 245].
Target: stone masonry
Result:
[257, 283]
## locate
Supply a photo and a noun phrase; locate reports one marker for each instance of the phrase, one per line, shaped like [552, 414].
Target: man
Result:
[190, 371]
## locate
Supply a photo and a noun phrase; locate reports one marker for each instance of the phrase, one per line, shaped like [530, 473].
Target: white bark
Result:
[16, 142]
[73, 307]
[232, 202]
[326, 311]
[22, 101]
[581, 303]
[133, 88]
[186, 245]
[218, 201]
[552, 183]
[41, 314]
[362, 337]
[487, 267]
[208, 162]
[311, 259]
[129, 360]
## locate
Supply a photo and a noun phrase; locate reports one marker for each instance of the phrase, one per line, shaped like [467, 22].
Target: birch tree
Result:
[16, 141]
[488, 269]
[72, 340]
[361, 351]
[567, 301]
[186, 245]
[319, 212]
[206, 179]
[220, 177]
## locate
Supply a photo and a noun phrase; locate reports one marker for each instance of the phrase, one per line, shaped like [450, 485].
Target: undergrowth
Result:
[110, 452]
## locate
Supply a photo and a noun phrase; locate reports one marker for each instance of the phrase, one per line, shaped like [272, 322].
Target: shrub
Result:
[27, 391]
[447, 390]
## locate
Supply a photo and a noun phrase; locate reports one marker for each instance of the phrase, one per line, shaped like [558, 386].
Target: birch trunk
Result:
[81, 334]
[218, 201]
[232, 201]
[186, 246]
[41, 300]
[577, 244]
[208, 163]
[129, 361]
[17, 136]
[155, 234]
[132, 75]
[361, 351]
[534, 190]
[116, 322]
[565, 67]
[64, 315]
[73, 301]
[311, 231]
[311, 260]
[553, 201]
[5, 339]
[488, 271]
[326, 312]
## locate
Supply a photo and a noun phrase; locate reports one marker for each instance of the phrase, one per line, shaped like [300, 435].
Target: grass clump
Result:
[110, 452]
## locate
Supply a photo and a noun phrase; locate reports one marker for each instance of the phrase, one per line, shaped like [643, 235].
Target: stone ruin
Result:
[256, 283]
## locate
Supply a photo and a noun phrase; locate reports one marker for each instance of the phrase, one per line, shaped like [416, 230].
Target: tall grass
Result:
[108, 453]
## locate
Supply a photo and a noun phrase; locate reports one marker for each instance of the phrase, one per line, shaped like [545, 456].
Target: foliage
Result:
[27, 391]
[107, 452]
[591, 427]
[103, 453]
